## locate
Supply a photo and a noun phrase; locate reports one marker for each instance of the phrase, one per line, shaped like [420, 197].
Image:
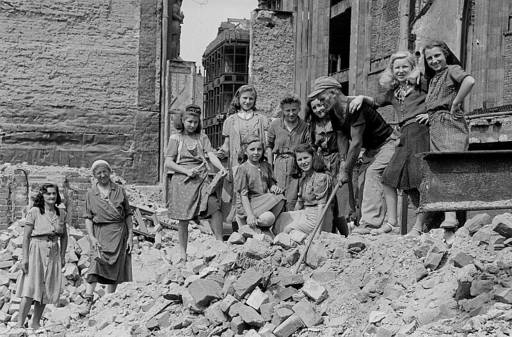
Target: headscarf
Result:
[99, 163]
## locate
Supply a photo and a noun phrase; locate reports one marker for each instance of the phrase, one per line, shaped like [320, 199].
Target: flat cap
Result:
[323, 83]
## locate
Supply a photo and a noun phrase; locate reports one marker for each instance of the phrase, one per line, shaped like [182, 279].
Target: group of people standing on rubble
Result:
[278, 174]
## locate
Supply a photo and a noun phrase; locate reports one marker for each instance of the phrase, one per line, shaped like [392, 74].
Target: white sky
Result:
[202, 19]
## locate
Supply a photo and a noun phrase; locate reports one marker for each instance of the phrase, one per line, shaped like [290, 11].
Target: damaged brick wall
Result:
[272, 62]
[80, 82]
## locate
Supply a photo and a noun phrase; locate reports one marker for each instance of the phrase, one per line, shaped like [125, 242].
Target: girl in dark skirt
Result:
[405, 91]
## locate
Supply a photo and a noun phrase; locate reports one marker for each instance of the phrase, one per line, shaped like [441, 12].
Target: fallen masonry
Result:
[386, 285]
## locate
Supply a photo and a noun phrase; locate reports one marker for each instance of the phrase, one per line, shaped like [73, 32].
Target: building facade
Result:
[225, 63]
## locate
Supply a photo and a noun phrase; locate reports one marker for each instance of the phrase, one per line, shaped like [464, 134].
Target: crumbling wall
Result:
[80, 82]
[272, 59]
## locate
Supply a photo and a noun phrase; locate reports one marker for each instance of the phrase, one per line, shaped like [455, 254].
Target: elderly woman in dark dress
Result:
[108, 219]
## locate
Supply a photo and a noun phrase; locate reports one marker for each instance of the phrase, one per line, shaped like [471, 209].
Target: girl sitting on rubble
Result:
[187, 154]
[314, 190]
[259, 199]
[243, 121]
[405, 90]
[43, 257]
[449, 84]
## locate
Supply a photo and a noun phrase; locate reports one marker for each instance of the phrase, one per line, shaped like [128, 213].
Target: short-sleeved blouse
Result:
[253, 181]
[281, 140]
[443, 88]
[238, 129]
[314, 189]
[115, 209]
[45, 224]
[194, 149]
[412, 105]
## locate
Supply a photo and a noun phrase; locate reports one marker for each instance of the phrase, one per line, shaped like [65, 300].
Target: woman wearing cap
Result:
[43, 258]
[108, 220]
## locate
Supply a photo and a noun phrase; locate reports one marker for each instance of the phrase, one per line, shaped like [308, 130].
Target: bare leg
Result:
[24, 309]
[38, 313]
[391, 204]
[111, 288]
[216, 224]
[183, 238]
[450, 217]
[89, 289]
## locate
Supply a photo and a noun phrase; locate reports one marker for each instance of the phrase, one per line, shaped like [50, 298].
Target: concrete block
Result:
[246, 283]
[289, 326]
[305, 310]
[204, 291]
[257, 298]
[314, 291]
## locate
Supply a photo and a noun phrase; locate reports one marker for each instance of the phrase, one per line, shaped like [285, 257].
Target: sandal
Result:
[385, 228]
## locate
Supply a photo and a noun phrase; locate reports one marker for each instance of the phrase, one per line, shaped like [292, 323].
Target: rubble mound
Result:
[384, 285]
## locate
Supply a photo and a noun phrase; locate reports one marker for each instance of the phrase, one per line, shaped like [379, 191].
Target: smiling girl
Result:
[259, 199]
[314, 191]
[186, 156]
[243, 121]
[449, 85]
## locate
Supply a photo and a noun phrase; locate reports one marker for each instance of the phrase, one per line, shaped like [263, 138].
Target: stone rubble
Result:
[385, 285]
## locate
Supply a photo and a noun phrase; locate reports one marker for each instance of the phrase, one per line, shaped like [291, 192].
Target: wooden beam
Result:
[340, 8]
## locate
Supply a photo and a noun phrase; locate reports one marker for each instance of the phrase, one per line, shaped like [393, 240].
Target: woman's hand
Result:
[191, 173]
[422, 118]
[276, 189]
[63, 260]
[224, 172]
[129, 246]
[24, 266]
[355, 104]
[252, 220]
[95, 244]
[456, 111]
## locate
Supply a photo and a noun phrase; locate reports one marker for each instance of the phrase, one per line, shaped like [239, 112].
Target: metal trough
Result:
[472, 180]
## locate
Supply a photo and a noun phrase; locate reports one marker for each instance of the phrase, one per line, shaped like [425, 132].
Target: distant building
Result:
[225, 63]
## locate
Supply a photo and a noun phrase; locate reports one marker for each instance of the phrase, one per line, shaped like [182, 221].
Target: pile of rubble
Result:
[357, 286]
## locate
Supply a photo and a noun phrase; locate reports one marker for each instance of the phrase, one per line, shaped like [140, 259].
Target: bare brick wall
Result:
[80, 82]
[507, 92]
[272, 65]
[385, 28]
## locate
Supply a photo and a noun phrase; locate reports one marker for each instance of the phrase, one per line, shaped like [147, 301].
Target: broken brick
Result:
[256, 249]
[481, 286]
[315, 291]
[504, 296]
[250, 316]
[306, 312]
[227, 302]
[284, 240]
[236, 238]
[204, 291]
[266, 311]
[289, 326]
[477, 222]
[257, 298]
[462, 259]
[502, 224]
[314, 258]
[215, 314]
[298, 236]
[280, 315]
[246, 283]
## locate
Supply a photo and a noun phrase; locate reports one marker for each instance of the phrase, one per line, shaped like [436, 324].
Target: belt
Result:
[46, 237]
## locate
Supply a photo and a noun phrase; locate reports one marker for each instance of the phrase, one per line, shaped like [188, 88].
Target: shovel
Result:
[317, 227]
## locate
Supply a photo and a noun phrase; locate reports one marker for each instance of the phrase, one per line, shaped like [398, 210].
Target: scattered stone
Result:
[483, 235]
[247, 282]
[477, 222]
[236, 238]
[504, 296]
[434, 256]
[298, 236]
[355, 244]
[250, 316]
[257, 298]
[376, 316]
[227, 302]
[256, 249]
[481, 286]
[284, 293]
[475, 305]
[286, 279]
[267, 310]
[289, 326]
[237, 325]
[462, 259]
[284, 240]
[307, 313]
[215, 314]
[281, 314]
[315, 291]
[71, 271]
[292, 257]
[314, 257]
[502, 224]
[204, 291]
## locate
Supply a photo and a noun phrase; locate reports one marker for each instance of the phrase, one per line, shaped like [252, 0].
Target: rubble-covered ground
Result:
[388, 285]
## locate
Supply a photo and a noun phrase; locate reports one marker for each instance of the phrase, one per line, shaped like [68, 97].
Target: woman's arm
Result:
[465, 88]
[64, 245]
[216, 162]
[90, 233]
[246, 203]
[129, 224]
[356, 103]
[171, 164]
[26, 245]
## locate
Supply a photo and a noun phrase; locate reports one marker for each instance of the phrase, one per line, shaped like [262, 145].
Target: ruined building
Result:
[225, 61]
[83, 80]
[298, 40]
